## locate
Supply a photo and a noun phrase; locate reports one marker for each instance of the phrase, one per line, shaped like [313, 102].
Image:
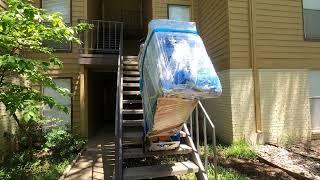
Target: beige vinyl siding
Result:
[239, 34]
[3, 4]
[213, 23]
[71, 67]
[280, 36]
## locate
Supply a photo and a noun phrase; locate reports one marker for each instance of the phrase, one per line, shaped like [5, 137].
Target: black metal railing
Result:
[194, 122]
[118, 116]
[105, 37]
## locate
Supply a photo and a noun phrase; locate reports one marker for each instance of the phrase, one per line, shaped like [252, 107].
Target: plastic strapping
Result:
[148, 42]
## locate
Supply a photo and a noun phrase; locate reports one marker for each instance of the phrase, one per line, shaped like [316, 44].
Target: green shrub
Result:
[240, 149]
[62, 142]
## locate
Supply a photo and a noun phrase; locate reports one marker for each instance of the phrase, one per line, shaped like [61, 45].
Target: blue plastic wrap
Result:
[174, 62]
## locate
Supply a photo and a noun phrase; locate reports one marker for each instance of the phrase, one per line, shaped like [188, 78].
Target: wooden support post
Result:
[83, 102]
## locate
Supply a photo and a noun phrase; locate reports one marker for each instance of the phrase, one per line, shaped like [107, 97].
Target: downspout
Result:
[255, 70]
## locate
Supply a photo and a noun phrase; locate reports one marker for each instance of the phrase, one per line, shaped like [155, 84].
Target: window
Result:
[62, 6]
[64, 100]
[314, 93]
[311, 14]
[179, 12]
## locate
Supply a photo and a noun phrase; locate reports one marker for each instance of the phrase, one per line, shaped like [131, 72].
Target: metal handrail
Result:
[104, 37]
[206, 120]
[118, 116]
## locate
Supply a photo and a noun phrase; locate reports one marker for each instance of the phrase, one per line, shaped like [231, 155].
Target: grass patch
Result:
[223, 174]
[240, 149]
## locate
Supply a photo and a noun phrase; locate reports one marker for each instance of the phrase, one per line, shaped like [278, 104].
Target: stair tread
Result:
[130, 62]
[137, 73]
[132, 135]
[136, 122]
[131, 92]
[131, 84]
[139, 152]
[131, 78]
[131, 68]
[132, 111]
[155, 171]
[131, 101]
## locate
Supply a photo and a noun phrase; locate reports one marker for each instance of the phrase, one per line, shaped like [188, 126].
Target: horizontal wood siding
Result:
[280, 36]
[239, 34]
[3, 4]
[213, 23]
[71, 67]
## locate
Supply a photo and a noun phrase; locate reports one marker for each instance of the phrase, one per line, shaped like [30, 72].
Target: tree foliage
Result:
[25, 29]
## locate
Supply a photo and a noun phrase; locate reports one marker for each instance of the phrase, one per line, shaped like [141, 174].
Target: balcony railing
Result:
[105, 37]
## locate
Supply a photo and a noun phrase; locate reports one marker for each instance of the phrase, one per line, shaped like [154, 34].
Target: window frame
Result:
[303, 26]
[185, 5]
[70, 23]
[71, 97]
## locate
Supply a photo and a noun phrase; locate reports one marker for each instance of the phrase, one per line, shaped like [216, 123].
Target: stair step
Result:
[131, 92]
[139, 153]
[131, 78]
[131, 85]
[132, 111]
[156, 171]
[135, 68]
[133, 122]
[130, 62]
[132, 135]
[131, 101]
[132, 73]
[131, 58]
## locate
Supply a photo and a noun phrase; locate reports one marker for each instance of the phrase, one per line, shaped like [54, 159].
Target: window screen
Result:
[311, 14]
[64, 119]
[179, 12]
[62, 6]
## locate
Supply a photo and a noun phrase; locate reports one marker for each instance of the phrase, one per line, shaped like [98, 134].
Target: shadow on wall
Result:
[242, 102]
[285, 108]
[219, 110]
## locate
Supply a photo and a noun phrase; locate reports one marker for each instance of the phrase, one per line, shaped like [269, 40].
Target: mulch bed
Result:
[292, 161]
[254, 169]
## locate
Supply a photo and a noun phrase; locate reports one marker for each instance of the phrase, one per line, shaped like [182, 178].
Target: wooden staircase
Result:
[133, 138]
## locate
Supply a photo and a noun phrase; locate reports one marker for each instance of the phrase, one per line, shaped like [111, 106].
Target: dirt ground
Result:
[254, 169]
[262, 169]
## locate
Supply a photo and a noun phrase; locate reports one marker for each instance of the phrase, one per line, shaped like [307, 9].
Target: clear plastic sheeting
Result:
[173, 62]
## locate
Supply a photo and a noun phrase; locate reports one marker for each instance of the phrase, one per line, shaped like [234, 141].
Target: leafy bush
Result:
[240, 149]
[62, 142]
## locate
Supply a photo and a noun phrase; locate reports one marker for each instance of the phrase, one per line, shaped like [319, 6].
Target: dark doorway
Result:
[101, 100]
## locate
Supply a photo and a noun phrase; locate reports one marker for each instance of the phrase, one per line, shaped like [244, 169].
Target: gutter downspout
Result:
[255, 69]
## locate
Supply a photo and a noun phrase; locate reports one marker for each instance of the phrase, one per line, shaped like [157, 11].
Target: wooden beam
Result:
[83, 102]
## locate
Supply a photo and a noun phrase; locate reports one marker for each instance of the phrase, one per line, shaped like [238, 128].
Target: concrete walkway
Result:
[97, 161]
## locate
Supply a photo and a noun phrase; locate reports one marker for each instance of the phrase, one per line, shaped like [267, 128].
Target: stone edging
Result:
[68, 168]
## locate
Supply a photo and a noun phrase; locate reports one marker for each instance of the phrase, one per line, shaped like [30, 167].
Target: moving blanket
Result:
[173, 62]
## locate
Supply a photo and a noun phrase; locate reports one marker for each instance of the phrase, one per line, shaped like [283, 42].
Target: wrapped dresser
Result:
[176, 72]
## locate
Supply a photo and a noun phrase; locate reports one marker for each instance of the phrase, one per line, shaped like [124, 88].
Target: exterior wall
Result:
[280, 36]
[242, 104]
[219, 110]
[71, 67]
[239, 34]
[160, 7]
[2, 4]
[285, 108]
[213, 23]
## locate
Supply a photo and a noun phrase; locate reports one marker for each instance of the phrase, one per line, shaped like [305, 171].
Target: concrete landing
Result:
[97, 161]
